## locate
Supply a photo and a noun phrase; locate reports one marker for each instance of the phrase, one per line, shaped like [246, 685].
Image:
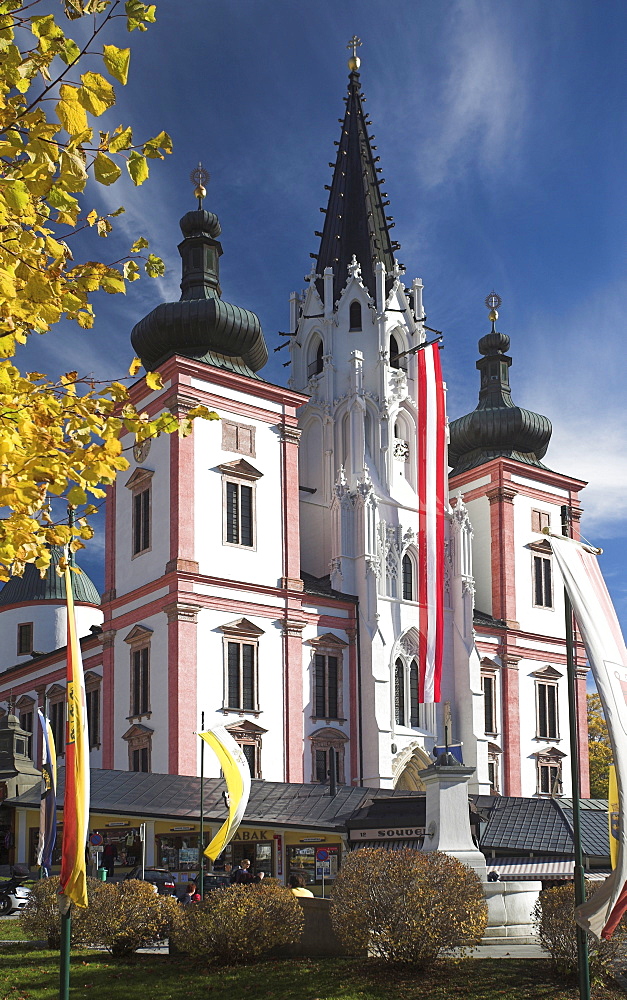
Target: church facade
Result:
[262, 572]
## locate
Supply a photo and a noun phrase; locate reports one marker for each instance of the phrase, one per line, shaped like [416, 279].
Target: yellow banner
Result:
[613, 816]
[237, 776]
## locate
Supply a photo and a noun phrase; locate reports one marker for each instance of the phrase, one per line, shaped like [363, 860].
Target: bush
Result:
[554, 915]
[121, 917]
[41, 918]
[405, 906]
[238, 923]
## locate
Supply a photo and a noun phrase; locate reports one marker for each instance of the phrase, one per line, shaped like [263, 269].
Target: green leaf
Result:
[76, 496]
[139, 244]
[137, 13]
[153, 147]
[155, 268]
[96, 94]
[122, 140]
[16, 195]
[112, 283]
[117, 61]
[69, 51]
[105, 170]
[137, 167]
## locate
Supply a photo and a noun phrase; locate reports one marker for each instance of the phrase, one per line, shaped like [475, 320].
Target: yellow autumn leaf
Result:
[106, 171]
[134, 367]
[96, 94]
[117, 61]
[69, 110]
[153, 380]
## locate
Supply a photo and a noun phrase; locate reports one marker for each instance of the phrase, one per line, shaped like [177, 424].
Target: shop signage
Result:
[125, 823]
[398, 833]
[312, 840]
[175, 829]
[326, 862]
[253, 835]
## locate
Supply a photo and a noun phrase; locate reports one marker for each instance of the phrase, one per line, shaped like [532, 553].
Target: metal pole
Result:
[201, 847]
[66, 939]
[142, 835]
[583, 969]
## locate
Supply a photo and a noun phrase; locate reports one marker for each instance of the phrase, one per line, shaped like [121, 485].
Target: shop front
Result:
[316, 859]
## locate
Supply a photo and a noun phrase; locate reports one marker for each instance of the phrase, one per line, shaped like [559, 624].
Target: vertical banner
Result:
[613, 816]
[431, 498]
[237, 776]
[48, 806]
[607, 655]
[73, 883]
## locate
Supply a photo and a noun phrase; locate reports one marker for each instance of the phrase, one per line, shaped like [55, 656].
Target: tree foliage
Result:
[405, 906]
[238, 923]
[60, 435]
[599, 749]
[555, 920]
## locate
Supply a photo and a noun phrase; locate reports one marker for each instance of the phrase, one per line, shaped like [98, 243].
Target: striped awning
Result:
[519, 869]
[389, 845]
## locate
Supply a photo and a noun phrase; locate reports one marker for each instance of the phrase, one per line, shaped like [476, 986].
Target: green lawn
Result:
[10, 930]
[26, 974]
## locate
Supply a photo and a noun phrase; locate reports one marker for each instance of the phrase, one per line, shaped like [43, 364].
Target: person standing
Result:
[109, 856]
[242, 875]
[298, 886]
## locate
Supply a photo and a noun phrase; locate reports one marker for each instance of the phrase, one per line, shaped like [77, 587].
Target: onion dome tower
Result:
[497, 427]
[33, 611]
[201, 325]
[355, 224]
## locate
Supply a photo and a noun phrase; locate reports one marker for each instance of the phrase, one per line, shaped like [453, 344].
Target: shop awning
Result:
[389, 845]
[520, 869]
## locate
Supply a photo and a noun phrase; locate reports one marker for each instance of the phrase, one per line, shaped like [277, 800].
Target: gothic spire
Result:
[355, 220]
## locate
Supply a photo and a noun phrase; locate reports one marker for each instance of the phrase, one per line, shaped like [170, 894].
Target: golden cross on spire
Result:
[354, 62]
[199, 176]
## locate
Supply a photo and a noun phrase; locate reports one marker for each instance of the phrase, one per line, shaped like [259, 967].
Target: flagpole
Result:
[201, 847]
[583, 968]
[66, 939]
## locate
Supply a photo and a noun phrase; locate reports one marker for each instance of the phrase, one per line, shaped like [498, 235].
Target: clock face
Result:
[140, 450]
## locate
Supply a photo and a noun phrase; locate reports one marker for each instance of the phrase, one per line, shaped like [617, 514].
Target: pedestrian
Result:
[259, 877]
[242, 875]
[109, 856]
[191, 895]
[297, 886]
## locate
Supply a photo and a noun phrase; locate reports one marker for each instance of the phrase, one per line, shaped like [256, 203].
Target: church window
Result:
[26, 714]
[56, 714]
[355, 316]
[326, 677]
[542, 582]
[140, 760]
[540, 520]
[248, 736]
[316, 363]
[408, 578]
[238, 437]
[395, 361]
[488, 686]
[25, 639]
[141, 521]
[399, 693]
[413, 695]
[140, 682]
[239, 514]
[547, 721]
[241, 676]
[327, 751]
[92, 696]
[549, 773]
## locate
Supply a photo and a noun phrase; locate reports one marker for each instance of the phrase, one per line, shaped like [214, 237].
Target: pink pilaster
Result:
[108, 695]
[182, 529]
[292, 583]
[582, 725]
[182, 688]
[503, 553]
[511, 724]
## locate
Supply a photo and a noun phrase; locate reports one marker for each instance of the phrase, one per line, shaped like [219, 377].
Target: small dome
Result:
[494, 343]
[200, 222]
[32, 587]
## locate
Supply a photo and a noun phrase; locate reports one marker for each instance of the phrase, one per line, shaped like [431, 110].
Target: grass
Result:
[10, 930]
[27, 974]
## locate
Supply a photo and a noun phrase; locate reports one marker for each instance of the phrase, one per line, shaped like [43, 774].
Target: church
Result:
[262, 572]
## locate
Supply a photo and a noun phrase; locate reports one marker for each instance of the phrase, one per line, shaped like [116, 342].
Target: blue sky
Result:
[502, 136]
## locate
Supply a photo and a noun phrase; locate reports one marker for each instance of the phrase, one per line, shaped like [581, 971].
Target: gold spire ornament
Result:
[354, 62]
[493, 302]
[199, 176]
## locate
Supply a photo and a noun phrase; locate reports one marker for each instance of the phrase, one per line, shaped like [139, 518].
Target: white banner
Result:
[605, 646]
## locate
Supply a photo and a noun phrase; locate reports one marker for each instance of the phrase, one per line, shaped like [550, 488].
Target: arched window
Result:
[413, 694]
[394, 352]
[408, 579]
[355, 316]
[399, 693]
[315, 359]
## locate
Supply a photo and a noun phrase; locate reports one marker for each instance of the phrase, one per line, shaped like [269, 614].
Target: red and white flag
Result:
[607, 655]
[431, 494]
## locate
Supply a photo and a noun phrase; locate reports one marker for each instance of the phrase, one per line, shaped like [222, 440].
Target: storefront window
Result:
[311, 863]
[258, 853]
[178, 854]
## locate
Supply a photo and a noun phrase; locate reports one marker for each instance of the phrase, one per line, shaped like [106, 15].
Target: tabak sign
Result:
[253, 835]
[390, 833]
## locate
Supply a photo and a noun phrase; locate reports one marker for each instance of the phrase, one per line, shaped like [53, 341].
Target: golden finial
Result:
[493, 302]
[354, 62]
[199, 176]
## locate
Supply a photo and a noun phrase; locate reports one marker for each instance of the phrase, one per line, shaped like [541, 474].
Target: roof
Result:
[355, 220]
[32, 587]
[321, 587]
[543, 825]
[271, 803]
